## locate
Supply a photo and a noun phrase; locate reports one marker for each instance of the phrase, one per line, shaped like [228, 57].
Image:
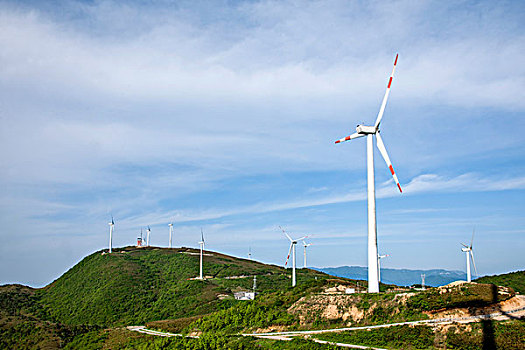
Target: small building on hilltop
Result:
[244, 295]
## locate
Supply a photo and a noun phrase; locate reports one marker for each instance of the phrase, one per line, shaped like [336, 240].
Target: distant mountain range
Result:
[400, 277]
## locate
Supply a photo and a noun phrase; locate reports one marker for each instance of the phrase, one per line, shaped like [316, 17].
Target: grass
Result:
[514, 280]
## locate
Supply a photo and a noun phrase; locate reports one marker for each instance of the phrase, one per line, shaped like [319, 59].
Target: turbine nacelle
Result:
[365, 130]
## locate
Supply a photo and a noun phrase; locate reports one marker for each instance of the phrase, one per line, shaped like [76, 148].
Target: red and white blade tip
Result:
[343, 139]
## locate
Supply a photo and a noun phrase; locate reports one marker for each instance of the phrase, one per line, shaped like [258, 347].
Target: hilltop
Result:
[138, 285]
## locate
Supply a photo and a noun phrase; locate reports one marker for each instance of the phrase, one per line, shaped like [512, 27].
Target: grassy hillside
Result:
[514, 280]
[23, 324]
[138, 285]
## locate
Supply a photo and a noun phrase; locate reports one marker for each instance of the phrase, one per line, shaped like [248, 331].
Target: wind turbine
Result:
[148, 231]
[201, 243]
[369, 132]
[249, 253]
[470, 255]
[293, 243]
[111, 227]
[171, 231]
[379, 257]
[305, 245]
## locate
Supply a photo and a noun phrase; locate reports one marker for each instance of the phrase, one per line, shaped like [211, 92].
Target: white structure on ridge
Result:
[379, 257]
[201, 243]
[293, 243]
[111, 226]
[369, 132]
[171, 232]
[305, 245]
[470, 255]
[148, 231]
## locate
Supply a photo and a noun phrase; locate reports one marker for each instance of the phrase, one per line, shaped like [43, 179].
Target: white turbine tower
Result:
[111, 226]
[305, 245]
[369, 132]
[147, 239]
[171, 231]
[201, 243]
[470, 255]
[293, 243]
[379, 257]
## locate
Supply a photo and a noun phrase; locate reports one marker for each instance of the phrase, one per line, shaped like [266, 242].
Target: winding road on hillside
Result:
[514, 313]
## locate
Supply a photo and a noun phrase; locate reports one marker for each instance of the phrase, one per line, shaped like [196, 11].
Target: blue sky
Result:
[223, 115]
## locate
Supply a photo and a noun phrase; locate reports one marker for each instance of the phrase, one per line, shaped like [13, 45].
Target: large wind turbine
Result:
[293, 243]
[171, 231]
[148, 231]
[470, 255]
[201, 243]
[379, 257]
[369, 132]
[111, 226]
[305, 245]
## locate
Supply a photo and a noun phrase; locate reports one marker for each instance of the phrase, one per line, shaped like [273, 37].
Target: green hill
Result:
[514, 280]
[138, 285]
[88, 305]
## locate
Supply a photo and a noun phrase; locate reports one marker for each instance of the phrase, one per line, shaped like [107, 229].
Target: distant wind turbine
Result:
[250, 253]
[293, 243]
[148, 231]
[111, 226]
[201, 243]
[470, 255]
[171, 231]
[379, 257]
[369, 132]
[305, 245]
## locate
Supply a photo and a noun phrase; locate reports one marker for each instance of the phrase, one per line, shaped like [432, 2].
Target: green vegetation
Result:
[135, 286]
[514, 280]
[267, 310]
[508, 335]
[398, 337]
[85, 307]
[123, 339]
[466, 295]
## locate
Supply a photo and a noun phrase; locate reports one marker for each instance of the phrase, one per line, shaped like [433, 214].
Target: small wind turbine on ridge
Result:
[111, 227]
[305, 245]
[293, 243]
[171, 232]
[369, 132]
[379, 257]
[470, 255]
[148, 231]
[201, 243]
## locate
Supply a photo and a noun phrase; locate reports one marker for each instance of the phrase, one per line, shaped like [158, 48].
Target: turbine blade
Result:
[472, 239]
[287, 235]
[383, 104]
[382, 150]
[474, 263]
[464, 245]
[288, 257]
[202, 236]
[351, 137]
[300, 239]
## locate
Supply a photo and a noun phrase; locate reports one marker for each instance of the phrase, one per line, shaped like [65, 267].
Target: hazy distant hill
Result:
[400, 277]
